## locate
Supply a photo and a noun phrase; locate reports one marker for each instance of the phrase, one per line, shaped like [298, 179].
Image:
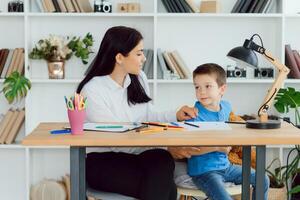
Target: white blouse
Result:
[107, 102]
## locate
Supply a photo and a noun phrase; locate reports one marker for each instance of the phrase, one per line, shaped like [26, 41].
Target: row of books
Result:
[253, 6]
[10, 125]
[292, 61]
[180, 6]
[64, 6]
[148, 65]
[171, 66]
[11, 60]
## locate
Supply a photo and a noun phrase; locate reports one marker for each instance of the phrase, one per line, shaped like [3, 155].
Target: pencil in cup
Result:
[76, 102]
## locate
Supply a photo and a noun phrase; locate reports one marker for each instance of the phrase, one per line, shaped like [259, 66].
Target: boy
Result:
[211, 168]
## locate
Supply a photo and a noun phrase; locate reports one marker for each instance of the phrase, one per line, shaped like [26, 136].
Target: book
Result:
[56, 6]
[291, 62]
[16, 128]
[177, 68]
[3, 58]
[40, 5]
[239, 6]
[7, 63]
[8, 126]
[20, 67]
[74, 3]
[252, 6]
[258, 6]
[264, 6]
[176, 9]
[50, 6]
[85, 5]
[12, 63]
[62, 5]
[45, 7]
[181, 64]
[149, 63]
[268, 6]
[186, 6]
[235, 7]
[245, 7]
[161, 62]
[170, 64]
[166, 5]
[18, 60]
[297, 58]
[4, 123]
[69, 6]
[179, 6]
[79, 5]
[193, 6]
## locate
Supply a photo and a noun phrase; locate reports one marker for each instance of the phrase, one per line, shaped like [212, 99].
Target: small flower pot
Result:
[56, 69]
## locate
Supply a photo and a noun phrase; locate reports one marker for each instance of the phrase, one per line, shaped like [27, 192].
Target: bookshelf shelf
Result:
[292, 16]
[254, 81]
[62, 81]
[12, 14]
[11, 146]
[292, 81]
[52, 81]
[90, 15]
[220, 15]
[198, 37]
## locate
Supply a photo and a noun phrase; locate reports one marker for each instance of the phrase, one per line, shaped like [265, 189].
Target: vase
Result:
[56, 69]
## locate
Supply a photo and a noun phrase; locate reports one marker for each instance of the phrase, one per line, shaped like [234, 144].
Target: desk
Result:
[239, 135]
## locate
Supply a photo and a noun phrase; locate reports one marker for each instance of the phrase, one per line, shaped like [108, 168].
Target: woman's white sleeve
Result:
[97, 110]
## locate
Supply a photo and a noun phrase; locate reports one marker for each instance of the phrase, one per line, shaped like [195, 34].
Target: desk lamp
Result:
[245, 56]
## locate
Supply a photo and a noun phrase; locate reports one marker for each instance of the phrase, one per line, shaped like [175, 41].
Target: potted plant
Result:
[277, 189]
[57, 49]
[15, 87]
[286, 99]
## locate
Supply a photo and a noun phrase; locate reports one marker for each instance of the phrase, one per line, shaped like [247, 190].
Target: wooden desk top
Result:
[239, 135]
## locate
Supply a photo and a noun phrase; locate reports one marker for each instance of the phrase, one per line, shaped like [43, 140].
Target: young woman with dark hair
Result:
[117, 91]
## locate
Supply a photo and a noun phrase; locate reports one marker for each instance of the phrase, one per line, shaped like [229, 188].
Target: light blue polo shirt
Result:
[198, 165]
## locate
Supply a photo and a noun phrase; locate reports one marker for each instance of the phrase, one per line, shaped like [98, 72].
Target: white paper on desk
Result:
[205, 126]
[124, 128]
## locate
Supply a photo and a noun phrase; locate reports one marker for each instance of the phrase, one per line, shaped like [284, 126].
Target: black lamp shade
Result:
[243, 56]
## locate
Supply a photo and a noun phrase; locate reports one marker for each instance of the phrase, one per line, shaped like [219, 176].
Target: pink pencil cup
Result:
[76, 120]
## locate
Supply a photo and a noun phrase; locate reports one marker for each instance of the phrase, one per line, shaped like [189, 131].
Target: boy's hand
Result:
[186, 112]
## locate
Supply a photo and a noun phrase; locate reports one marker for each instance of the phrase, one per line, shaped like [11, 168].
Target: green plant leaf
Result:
[15, 87]
[295, 190]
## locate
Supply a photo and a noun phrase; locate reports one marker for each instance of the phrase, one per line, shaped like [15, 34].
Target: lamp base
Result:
[256, 124]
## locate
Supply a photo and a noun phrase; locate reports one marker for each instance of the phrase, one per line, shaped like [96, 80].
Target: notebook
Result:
[117, 128]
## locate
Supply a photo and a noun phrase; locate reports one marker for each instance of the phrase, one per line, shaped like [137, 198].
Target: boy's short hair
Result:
[212, 69]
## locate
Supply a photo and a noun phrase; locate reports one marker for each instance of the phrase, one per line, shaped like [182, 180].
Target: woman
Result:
[117, 91]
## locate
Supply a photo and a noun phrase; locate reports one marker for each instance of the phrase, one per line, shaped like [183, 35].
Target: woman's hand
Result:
[184, 152]
[186, 112]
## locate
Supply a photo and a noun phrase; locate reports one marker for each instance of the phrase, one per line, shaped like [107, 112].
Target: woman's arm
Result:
[97, 110]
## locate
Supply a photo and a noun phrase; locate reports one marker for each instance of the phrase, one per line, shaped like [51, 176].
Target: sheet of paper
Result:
[204, 126]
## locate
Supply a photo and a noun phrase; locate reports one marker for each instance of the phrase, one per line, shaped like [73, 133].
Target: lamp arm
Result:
[282, 74]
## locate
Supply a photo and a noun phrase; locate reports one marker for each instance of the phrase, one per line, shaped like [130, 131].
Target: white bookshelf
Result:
[199, 38]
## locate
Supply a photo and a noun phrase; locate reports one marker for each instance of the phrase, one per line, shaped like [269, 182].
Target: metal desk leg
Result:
[260, 171]
[246, 169]
[77, 167]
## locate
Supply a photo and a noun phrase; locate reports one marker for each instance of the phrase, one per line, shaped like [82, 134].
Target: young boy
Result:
[212, 168]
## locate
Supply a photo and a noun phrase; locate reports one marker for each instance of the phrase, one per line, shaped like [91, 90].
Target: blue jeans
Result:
[212, 183]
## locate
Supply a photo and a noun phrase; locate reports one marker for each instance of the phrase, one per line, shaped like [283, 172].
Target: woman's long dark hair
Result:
[119, 39]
